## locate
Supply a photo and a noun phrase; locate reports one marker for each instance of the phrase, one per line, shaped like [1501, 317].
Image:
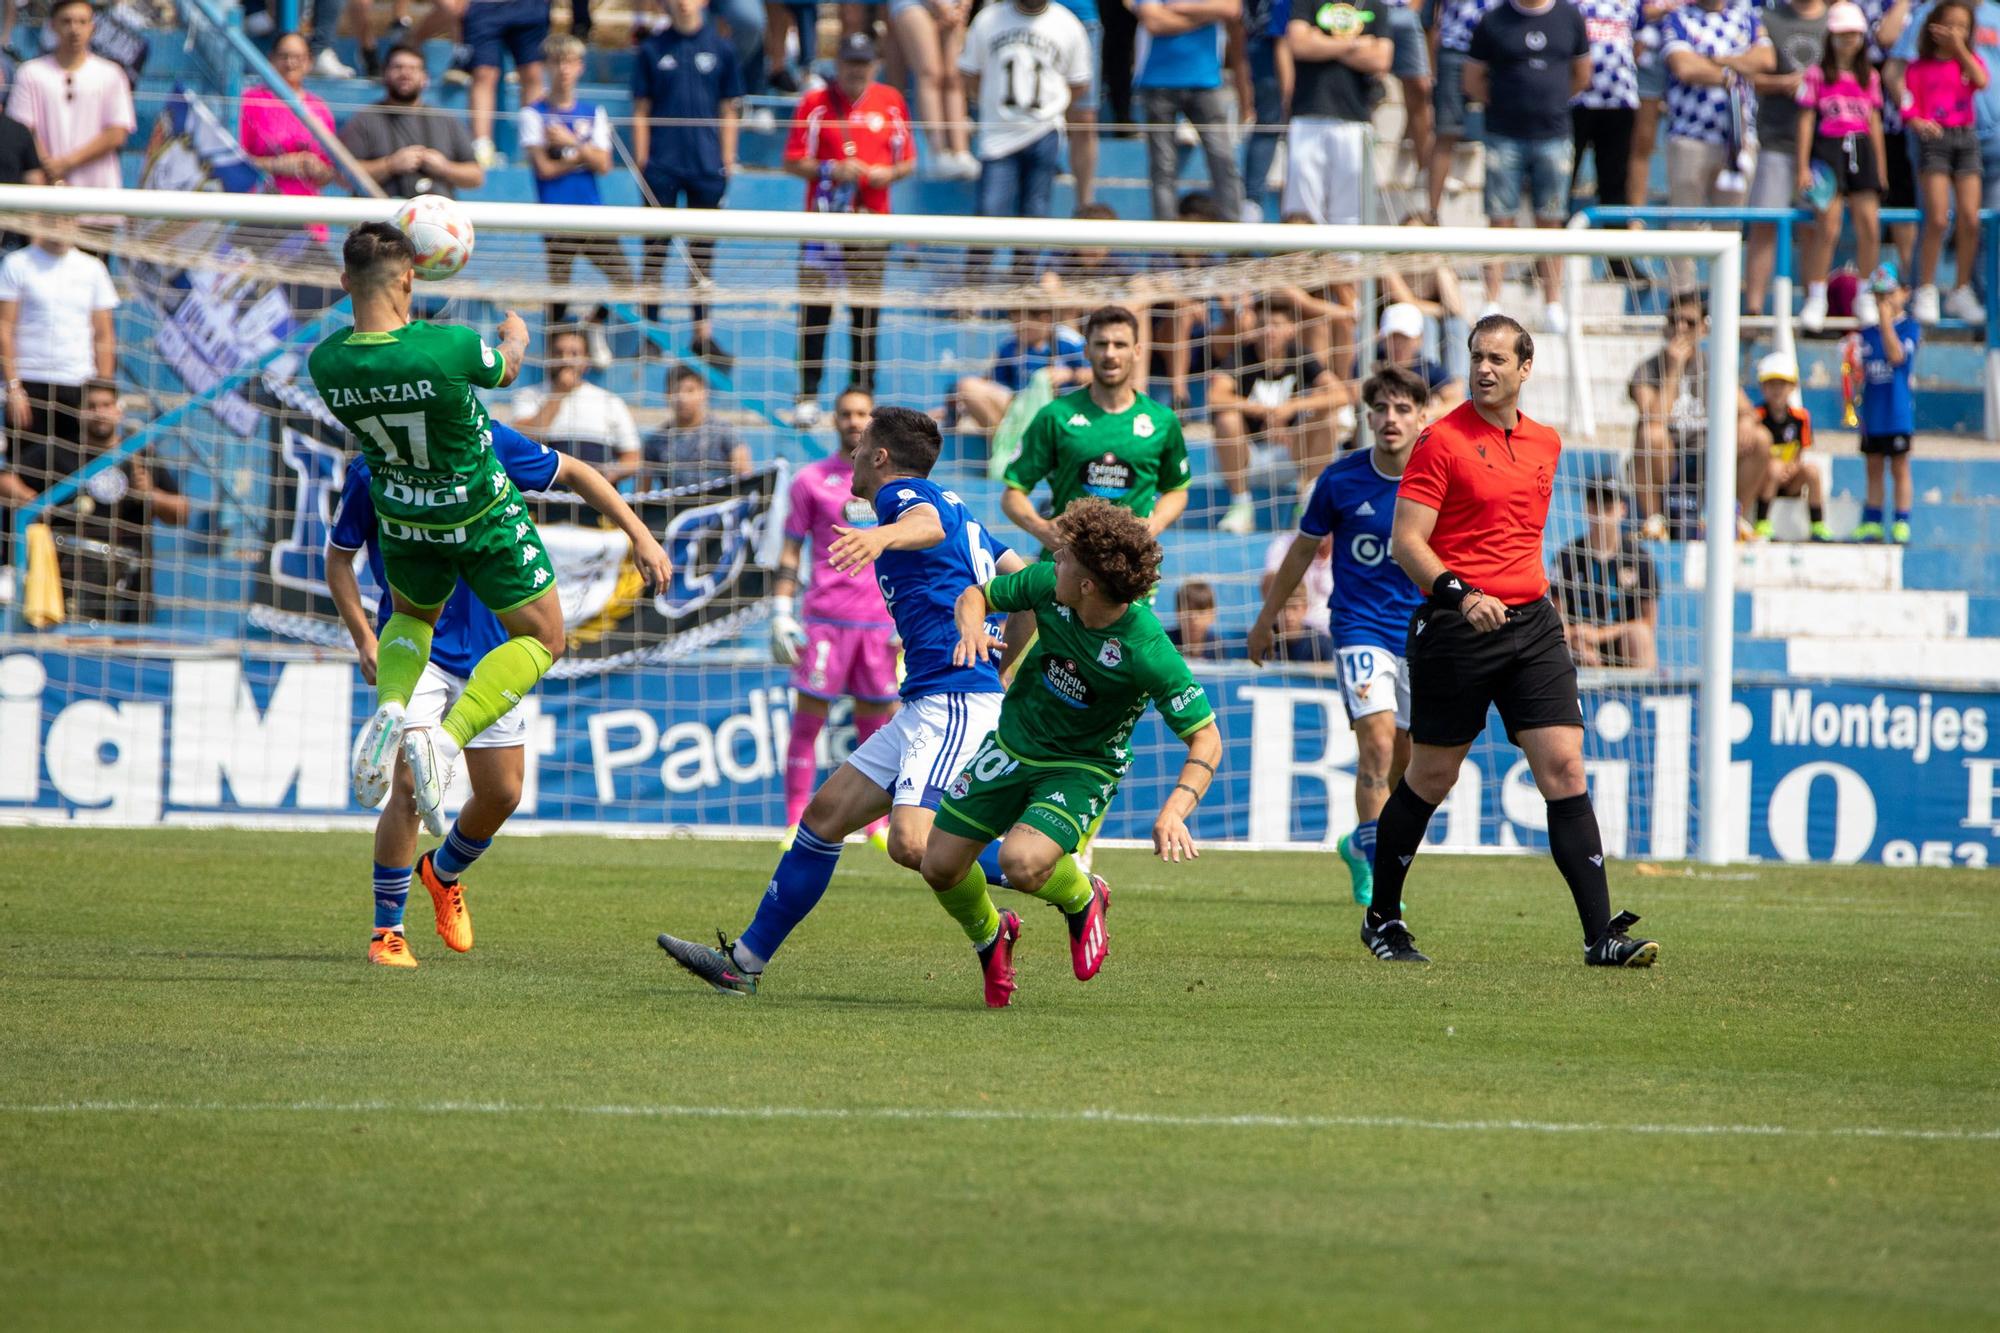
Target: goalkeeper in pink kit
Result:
[845, 643]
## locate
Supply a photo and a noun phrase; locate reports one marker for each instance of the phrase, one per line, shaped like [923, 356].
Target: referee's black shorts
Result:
[1524, 668]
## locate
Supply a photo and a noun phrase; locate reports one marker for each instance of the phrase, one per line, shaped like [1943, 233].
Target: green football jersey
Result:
[1076, 699]
[1130, 458]
[410, 399]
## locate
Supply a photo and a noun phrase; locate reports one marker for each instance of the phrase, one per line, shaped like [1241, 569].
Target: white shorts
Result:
[915, 756]
[1323, 177]
[1375, 680]
[437, 690]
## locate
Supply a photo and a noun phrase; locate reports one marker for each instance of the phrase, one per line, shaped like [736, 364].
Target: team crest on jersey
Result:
[1543, 482]
[1142, 426]
[874, 122]
[960, 785]
[1111, 654]
[704, 61]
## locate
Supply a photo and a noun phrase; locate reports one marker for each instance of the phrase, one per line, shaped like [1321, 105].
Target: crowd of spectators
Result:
[1848, 107]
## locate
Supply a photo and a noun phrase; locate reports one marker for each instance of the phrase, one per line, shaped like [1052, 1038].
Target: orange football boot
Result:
[454, 922]
[388, 948]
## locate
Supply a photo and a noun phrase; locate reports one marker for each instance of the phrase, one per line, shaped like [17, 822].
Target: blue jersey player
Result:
[465, 632]
[1354, 504]
[1888, 407]
[926, 548]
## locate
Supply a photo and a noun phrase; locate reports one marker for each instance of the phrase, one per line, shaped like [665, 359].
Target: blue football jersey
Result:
[1888, 404]
[1373, 598]
[922, 588]
[466, 631]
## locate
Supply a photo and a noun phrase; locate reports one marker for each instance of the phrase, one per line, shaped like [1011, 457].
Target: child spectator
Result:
[568, 144]
[1888, 405]
[1038, 343]
[1938, 108]
[1790, 429]
[1193, 630]
[1840, 116]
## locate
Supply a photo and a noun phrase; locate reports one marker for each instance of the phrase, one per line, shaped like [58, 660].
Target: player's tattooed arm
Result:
[917, 528]
[1171, 839]
[513, 347]
[601, 495]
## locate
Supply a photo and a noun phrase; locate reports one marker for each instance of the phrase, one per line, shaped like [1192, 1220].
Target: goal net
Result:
[179, 659]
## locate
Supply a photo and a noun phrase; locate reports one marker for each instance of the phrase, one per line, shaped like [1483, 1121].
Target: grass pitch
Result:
[216, 1115]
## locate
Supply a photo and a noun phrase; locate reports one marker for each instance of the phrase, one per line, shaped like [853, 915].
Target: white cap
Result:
[1778, 366]
[1403, 318]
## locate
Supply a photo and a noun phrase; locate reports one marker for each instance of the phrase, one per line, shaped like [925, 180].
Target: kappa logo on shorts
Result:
[1059, 799]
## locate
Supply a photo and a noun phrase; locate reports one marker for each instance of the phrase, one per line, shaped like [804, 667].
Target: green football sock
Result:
[401, 653]
[1067, 887]
[972, 907]
[498, 682]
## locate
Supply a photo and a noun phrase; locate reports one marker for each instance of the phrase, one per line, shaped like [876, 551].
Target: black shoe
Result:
[1391, 942]
[711, 351]
[1617, 949]
[715, 966]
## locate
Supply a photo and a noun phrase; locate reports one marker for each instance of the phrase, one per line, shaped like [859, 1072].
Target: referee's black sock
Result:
[1399, 832]
[1579, 855]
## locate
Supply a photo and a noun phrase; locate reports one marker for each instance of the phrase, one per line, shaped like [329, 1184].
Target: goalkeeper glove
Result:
[788, 636]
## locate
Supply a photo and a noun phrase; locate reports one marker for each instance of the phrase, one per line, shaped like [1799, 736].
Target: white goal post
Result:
[507, 227]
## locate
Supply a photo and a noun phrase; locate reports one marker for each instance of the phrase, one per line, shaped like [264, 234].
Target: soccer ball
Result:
[440, 233]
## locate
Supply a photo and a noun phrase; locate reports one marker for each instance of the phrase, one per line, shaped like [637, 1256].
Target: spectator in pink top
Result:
[844, 645]
[281, 145]
[79, 105]
[1840, 117]
[1940, 85]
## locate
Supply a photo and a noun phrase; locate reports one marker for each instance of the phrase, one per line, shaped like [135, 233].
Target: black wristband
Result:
[1448, 589]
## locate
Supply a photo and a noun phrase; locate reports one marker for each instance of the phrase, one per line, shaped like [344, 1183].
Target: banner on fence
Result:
[1838, 773]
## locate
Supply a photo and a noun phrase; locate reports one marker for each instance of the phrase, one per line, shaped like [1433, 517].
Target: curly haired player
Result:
[1065, 734]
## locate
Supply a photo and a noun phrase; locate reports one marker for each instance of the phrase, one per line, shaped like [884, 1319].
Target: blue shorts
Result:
[1448, 94]
[1412, 55]
[1653, 79]
[1541, 165]
[516, 27]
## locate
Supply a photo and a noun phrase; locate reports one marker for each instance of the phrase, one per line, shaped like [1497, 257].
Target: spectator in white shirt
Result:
[568, 412]
[55, 335]
[1026, 63]
[79, 105]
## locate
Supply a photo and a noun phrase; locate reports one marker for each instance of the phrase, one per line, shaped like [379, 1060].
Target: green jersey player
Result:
[445, 511]
[1106, 440]
[1046, 773]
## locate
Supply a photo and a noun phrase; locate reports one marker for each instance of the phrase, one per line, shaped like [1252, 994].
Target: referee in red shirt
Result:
[1469, 518]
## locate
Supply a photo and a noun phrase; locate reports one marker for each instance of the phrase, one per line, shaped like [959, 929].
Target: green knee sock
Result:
[499, 680]
[401, 653]
[1067, 887]
[971, 906]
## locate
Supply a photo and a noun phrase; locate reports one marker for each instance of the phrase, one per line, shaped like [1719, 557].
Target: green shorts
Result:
[500, 555]
[997, 791]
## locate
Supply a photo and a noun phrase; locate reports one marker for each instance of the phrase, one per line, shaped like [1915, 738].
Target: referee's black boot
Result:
[1390, 941]
[1615, 948]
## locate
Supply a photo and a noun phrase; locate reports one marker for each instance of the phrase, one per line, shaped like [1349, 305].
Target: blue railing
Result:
[1782, 221]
